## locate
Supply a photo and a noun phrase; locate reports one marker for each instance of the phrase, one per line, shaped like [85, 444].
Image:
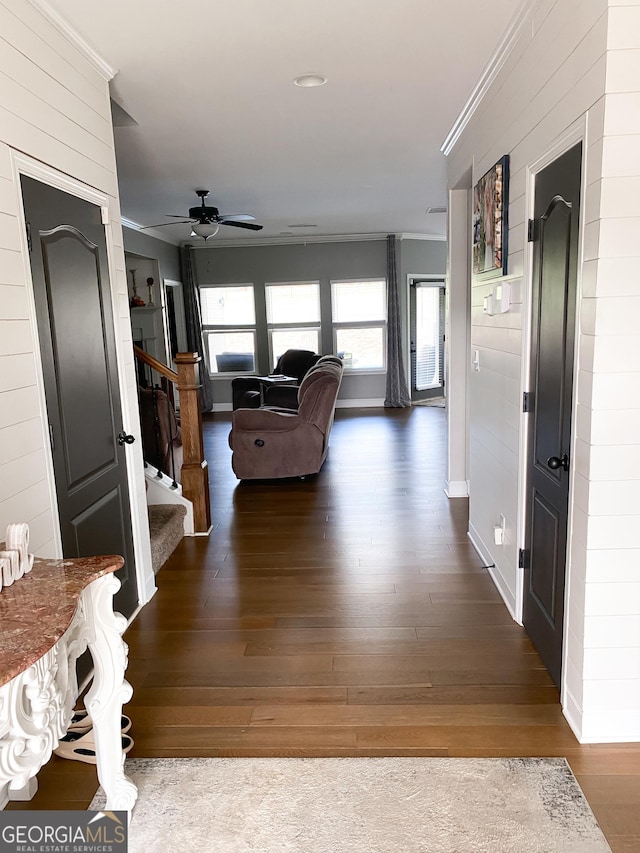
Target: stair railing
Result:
[194, 472]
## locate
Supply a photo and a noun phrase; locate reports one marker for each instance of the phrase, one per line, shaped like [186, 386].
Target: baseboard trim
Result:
[496, 576]
[456, 488]
[365, 403]
[572, 714]
[200, 532]
[368, 403]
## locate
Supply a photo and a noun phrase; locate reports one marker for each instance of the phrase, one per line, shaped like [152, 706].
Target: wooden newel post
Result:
[194, 475]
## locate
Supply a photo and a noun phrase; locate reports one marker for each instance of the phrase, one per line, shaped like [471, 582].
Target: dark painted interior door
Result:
[75, 324]
[555, 231]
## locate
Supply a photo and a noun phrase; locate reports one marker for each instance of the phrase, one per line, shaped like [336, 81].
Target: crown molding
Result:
[303, 241]
[437, 237]
[150, 232]
[491, 70]
[107, 71]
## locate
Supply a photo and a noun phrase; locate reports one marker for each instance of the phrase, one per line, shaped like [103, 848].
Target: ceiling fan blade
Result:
[161, 224]
[250, 225]
[237, 217]
[175, 215]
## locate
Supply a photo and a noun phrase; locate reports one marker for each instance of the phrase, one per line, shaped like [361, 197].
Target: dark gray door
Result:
[555, 234]
[75, 325]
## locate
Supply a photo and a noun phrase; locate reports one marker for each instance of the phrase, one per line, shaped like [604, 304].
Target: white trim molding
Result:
[295, 240]
[72, 35]
[150, 232]
[496, 576]
[456, 488]
[490, 72]
[365, 403]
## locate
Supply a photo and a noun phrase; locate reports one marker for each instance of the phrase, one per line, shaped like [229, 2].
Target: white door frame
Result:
[575, 134]
[411, 277]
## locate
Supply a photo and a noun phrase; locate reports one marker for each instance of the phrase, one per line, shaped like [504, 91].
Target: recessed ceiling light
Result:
[308, 81]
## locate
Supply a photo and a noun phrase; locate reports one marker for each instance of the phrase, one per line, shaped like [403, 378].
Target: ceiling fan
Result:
[205, 221]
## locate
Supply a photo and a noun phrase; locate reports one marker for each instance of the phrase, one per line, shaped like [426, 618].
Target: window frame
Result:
[363, 324]
[210, 329]
[304, 326]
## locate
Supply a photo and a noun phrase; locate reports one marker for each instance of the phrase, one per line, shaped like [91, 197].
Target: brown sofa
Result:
[273, 442]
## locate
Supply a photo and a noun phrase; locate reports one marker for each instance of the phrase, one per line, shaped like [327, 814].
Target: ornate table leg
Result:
[35, 709]
[108, 690]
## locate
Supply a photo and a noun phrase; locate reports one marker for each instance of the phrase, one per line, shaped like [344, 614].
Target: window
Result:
[359, 310]
[229, 327]
[293, 316]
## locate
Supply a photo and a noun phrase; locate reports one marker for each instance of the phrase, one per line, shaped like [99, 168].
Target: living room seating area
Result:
[249, 392]
[273, 442]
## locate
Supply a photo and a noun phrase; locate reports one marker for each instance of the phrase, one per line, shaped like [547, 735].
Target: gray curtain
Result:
[397, 393]
[193, 318]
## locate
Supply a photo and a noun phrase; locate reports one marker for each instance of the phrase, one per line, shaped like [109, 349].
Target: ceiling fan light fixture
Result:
[205, 229]
[309, 81]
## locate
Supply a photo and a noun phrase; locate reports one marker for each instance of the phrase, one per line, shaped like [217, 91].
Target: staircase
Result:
[193, 476]
[166, 528]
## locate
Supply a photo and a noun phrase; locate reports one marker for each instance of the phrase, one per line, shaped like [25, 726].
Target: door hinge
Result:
[532, 231]
[523, 558]
[51, 438]
[29, 240]
[527, 401]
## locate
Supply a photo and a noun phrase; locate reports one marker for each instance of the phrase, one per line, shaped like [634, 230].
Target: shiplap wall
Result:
[606, 544]
[576, 64]
[54, 108]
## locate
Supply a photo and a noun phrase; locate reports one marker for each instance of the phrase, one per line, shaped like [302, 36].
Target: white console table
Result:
[47, 619]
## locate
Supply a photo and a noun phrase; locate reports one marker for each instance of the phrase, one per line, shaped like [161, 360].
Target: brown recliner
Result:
[271, 443]
[246, 391]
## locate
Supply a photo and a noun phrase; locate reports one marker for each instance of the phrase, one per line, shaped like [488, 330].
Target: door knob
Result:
[123, 438]
[555, 462]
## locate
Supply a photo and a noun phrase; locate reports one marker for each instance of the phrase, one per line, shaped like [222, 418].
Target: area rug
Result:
[359, 805]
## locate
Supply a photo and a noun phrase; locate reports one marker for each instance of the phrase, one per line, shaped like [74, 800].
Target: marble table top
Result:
[37, 609]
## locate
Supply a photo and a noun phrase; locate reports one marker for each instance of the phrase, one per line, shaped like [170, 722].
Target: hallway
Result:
[345, 615]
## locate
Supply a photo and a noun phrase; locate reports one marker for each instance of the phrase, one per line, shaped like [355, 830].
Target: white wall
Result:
[574, 71]
[605, 644]
[54, 109]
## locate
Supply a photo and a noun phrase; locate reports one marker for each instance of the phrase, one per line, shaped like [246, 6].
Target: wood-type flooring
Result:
[345, 615]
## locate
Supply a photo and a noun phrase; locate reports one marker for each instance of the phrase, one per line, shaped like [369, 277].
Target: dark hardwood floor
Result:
[345, 615]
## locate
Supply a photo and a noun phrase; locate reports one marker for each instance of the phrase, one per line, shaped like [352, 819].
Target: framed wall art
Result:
[490, 206]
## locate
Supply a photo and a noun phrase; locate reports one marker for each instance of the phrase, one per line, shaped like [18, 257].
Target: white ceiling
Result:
[209, 84]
